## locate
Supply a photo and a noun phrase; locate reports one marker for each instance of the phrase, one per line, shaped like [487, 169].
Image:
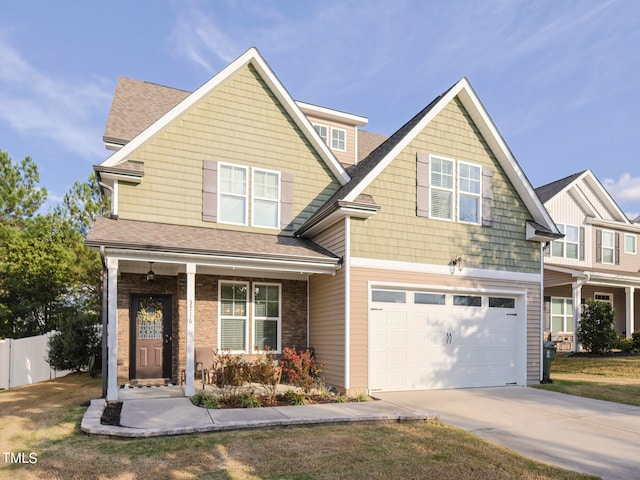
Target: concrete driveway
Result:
[590, 436]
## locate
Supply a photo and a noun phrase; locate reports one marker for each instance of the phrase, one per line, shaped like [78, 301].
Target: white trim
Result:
[347, 304]
[459, 192]
[331, 114]
[237, 264]
[112, 329]
[630, 310]
[247, 333]
[253, 197]
[373, 263]
[254, 317]
[253, 57]
[233, 195]
[604, 294]
[487, 128]
[189, 388]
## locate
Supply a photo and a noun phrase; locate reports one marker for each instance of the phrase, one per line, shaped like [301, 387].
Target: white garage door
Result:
[422, 340]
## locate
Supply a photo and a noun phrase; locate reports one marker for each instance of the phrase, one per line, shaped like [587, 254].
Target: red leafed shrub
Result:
[300, 368]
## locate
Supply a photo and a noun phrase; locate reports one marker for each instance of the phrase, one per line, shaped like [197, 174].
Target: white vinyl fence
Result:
[23, 361]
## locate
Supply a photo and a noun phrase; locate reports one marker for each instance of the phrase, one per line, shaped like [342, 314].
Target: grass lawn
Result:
[611, 378]
[44, 419]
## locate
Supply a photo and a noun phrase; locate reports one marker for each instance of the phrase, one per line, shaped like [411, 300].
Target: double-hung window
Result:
[267, 316]
[233, 194]
[456, 189]
[233, 316]
[469, 193]
[608, 247]
[629, 243]
[567, 247]
[561, 315]
[338, 139]
[266, 198]
[323, 131]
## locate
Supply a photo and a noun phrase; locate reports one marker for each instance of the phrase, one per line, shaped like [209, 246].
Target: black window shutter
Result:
[581, 245]
[598, 245]
[617, 254]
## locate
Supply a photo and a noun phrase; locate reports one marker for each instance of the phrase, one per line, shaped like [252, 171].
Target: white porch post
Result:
[112, 329]
[630, 325]
[577, 313]
[189, 388]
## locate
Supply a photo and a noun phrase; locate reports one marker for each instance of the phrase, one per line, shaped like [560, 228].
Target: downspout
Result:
[577, 307]
[103, 314]
[542, 247]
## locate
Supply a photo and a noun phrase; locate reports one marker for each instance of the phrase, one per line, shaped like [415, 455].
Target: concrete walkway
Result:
[581, 434]
[149, 414]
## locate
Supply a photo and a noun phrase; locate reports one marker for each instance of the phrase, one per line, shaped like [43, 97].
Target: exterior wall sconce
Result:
[150, 275]
[456, 262]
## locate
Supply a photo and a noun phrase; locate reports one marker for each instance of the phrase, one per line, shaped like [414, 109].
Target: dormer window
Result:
[338, 139]
[323, 131]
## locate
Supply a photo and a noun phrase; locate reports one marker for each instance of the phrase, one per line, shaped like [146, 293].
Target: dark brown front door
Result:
[150, 337]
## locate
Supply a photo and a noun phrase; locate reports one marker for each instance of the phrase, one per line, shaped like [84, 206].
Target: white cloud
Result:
[36, 104]
[625, 189]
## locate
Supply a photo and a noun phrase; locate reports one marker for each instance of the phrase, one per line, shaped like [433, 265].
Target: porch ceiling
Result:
[595, 276]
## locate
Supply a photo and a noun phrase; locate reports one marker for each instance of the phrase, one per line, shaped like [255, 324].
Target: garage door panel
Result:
[441, 346]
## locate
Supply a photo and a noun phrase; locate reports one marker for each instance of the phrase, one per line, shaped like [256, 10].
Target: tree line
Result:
[49, 279]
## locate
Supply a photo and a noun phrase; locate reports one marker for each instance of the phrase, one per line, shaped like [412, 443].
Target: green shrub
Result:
[300, 368]
[596, 332]
[635, 337]
[248, 400]
[295, 398]
[206, 400]
[78, 338]
[626, 345]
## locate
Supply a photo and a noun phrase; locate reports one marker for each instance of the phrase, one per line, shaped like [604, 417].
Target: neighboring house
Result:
[596, 260]
[419, 266]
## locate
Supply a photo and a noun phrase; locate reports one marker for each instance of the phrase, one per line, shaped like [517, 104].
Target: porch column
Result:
[112, 329]
[189, 388]
[577, 312]
[630, 325]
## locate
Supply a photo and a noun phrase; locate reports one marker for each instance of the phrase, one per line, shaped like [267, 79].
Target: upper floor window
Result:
[323, 131]
[338, 139]
[608, 247]
[233, 194]
[447, 190]
[266, 198]
[630, 243]
[569, 246]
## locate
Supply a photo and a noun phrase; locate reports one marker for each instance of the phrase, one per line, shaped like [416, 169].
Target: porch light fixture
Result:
[456, 262]
[150, 275]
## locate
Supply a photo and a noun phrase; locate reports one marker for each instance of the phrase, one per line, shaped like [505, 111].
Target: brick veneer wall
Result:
[294, 313]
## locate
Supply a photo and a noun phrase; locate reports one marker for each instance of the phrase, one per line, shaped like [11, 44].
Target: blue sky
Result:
[559, 78]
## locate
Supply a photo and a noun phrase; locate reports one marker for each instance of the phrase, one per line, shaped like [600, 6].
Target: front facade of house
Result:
[416, 267]
[596, 260]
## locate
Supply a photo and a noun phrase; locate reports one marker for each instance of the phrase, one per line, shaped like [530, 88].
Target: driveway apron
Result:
[582, 434]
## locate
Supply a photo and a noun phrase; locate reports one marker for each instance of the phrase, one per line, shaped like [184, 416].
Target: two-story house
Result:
[242, 219]
[596, 260]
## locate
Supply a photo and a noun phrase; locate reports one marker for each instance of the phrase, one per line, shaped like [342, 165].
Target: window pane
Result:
[265, 185]
[265, 213]
[499, 302]
[469, 177]
[568, 324]
[571, 234]
[557, 324]
[572, 250]
[322, 131]
[469, 209]
[338, 139]
[232, 333]
[630, 243]
[607, 239]
[428, 298]
[441, 173]
[232, 209]
[607, 255]
[557, 306]
[266, 334]
[467, 301]
[441, 204]
[233, 179]
[388, 296]
[557, 248]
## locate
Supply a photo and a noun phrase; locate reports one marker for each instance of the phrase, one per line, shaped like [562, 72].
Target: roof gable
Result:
[586, 190]
[250, 57]
[367, 170]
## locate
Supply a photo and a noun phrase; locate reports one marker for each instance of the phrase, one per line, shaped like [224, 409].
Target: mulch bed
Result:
[111, 414]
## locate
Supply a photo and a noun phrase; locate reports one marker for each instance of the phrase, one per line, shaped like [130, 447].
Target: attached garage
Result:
[423, 339]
